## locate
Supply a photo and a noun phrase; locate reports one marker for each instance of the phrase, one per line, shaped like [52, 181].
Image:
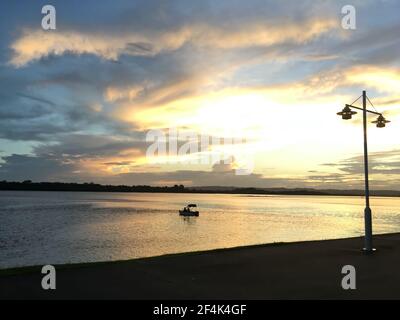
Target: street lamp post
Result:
[347, 114]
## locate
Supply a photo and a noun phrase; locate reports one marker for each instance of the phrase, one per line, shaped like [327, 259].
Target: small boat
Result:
[188, 212]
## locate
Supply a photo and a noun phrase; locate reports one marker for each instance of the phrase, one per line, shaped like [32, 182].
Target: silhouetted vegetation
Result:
[28, 185]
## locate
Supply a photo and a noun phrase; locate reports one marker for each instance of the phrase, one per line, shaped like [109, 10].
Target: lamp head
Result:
[381, 122]
[346, 113]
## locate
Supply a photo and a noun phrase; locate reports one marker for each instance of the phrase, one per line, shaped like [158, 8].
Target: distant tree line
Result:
[28, 185]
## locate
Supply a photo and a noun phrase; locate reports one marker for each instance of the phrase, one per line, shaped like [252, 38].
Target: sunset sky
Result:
[77, 102]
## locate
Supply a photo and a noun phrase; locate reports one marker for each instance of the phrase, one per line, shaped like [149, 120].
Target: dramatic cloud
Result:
[36, 168]
[34, 45]
[384, 162]
[76, 102]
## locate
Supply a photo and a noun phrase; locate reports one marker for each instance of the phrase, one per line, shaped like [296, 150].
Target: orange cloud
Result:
[36, 44]
[383, 79]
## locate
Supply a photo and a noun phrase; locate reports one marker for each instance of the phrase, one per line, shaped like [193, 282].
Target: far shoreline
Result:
[181, 189]
[210, 193]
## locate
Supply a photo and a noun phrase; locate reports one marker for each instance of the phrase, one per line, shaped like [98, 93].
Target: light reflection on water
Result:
[62, 227]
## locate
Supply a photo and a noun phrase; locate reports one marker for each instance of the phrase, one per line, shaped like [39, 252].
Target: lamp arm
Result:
[377, 113]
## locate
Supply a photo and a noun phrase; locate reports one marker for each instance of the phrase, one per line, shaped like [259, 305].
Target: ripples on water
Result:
[62, 227]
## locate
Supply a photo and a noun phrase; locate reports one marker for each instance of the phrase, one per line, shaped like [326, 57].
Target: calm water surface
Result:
[62, 227]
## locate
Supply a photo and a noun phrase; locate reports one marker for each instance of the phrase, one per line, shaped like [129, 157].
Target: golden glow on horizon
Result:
[277, 124]
[290, 127]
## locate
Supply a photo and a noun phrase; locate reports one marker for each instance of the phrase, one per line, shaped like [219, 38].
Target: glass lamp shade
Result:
[381, 122]
[346, 113]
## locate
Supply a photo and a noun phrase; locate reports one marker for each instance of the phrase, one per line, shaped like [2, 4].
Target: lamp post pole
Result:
[367, 212]
[347, 114]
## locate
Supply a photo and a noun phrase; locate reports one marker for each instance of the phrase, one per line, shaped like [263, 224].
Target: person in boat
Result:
[188, 209]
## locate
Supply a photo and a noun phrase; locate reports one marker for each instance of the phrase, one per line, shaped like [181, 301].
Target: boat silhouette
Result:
[188, 212]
